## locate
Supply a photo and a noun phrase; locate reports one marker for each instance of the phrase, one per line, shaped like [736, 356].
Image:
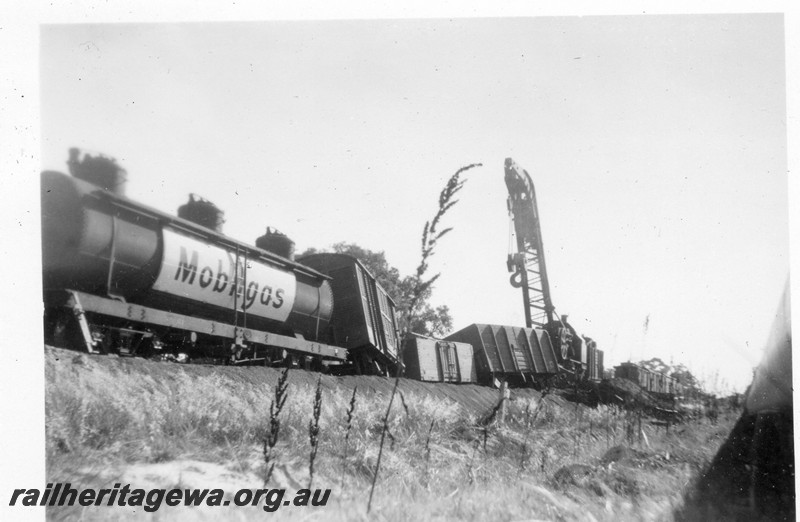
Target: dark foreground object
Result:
[752, 476]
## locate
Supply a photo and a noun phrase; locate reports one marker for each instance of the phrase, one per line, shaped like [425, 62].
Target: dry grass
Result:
[439, 463]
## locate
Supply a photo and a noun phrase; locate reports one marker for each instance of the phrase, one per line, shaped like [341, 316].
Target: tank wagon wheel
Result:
[62, 331]
[318, 366]
[108, 340]
[103, 341]
[147, 346]
[364, 364]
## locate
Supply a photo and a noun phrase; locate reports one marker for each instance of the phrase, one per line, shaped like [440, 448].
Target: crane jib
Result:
[527, 263]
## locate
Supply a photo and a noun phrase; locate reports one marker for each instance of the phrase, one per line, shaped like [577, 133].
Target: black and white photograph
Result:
[520, 266]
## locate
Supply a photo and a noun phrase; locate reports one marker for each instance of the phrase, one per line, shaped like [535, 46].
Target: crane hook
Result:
[516, 264]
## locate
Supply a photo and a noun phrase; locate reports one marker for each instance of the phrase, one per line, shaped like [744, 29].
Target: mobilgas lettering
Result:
[251, 294]
[205, 281]
[238, 274]
[221, 282]
[188, 268]
[268, 290]
[196, 268]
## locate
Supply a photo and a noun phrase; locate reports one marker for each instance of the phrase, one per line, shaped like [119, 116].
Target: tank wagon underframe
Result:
[81, 304]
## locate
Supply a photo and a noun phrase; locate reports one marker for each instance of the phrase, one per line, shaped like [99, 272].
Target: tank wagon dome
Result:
[99, 170]
[202, 212]
[276, 242]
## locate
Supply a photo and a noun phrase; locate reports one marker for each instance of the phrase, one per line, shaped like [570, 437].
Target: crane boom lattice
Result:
[527, 263]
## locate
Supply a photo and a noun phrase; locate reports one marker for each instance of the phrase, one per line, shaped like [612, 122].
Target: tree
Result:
[424, 319]
[690, 383]
[656, 365]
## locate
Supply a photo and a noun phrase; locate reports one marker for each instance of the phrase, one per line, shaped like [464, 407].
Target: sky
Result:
[657, 145]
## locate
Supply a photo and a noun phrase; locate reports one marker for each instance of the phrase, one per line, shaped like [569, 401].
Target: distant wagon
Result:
[649, 380]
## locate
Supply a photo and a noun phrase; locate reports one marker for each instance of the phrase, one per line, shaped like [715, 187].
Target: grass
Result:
[271, 438]
[313, 432]
[107, 418]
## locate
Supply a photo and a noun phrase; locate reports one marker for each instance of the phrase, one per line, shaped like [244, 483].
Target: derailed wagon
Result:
[512, 354]
[437, 360]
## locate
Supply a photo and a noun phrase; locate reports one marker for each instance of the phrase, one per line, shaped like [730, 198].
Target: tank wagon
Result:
[122, 277]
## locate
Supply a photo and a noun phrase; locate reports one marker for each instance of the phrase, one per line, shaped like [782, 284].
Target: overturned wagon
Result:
[516, 355]
[435, 360]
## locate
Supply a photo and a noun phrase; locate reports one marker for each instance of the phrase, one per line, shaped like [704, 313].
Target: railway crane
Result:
[529, 273]
[527, 263]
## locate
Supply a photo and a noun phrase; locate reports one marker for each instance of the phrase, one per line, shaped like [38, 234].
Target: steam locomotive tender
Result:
[125, 278]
